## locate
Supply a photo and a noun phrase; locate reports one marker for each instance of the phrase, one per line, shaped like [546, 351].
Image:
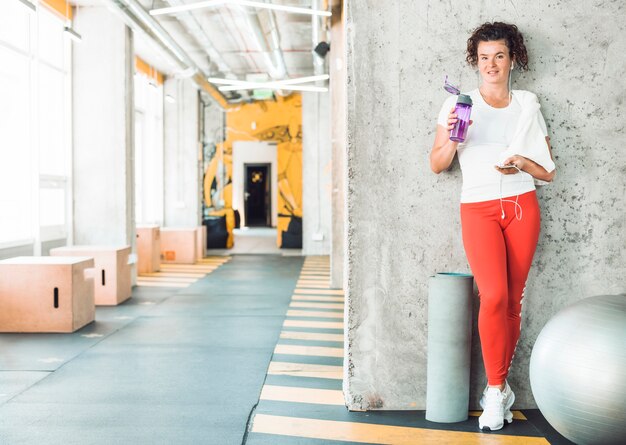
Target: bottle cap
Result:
[464, 99]
[449, 87]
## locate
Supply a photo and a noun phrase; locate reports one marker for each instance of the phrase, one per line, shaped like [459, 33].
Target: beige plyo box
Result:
[148, 249]
[112, 276]
[46, 294]
[178, 245]
[201, 241]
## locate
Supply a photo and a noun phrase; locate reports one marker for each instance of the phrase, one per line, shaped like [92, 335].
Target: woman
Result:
[499, 211]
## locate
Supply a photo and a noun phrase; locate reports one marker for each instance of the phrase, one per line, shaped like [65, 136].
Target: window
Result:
[148, 149]
[35, 150]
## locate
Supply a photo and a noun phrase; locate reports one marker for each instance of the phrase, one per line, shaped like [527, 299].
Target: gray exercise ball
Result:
[578, 371]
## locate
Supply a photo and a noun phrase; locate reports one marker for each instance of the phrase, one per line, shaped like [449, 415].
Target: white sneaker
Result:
[510, 399]
[495, 404]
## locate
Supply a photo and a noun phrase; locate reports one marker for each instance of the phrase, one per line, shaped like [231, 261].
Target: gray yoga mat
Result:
[449, 347]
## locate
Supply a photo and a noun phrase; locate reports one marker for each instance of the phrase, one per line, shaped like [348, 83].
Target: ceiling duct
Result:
[139, 19]
[189, 21]
[263, 29]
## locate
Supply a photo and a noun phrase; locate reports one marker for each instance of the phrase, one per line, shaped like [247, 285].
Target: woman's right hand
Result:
[443, 150]
[453, 119]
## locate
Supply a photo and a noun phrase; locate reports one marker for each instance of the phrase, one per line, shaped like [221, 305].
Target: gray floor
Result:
[169, 366]
[255, 240]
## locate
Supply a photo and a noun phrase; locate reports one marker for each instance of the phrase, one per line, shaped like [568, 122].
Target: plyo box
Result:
[46, 294]
[148, 249]
[112, 281]
[201, 241]
[178, 245]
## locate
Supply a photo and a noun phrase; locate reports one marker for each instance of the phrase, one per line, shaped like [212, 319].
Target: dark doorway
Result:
[258, 204]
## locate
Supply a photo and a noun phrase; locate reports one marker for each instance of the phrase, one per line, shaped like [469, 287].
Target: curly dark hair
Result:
[488, 32]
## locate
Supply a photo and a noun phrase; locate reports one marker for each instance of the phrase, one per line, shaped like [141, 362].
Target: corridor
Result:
[250, 353]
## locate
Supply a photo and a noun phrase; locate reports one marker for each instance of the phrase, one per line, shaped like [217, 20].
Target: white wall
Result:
[254, 152]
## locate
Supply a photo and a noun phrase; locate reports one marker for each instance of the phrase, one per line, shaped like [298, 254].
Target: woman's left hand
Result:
[518, 161]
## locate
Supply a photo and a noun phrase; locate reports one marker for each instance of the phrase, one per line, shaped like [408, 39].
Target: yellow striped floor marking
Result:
[316, 298]
[312, 286]
[170, 279]
[161, 284]
[313, 278]
[306, 370]
[313, 324]
[319, 292]
[197, 271]
[174, 274]
[314, 336]
[517, 415]
[320, 314]
[317, 351]
[381, 434]
[302, 395]
[187, 267]
[317, 305]
[326, 283]
[190, 266]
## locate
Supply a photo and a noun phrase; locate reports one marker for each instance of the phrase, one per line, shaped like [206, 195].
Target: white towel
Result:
[528, 140]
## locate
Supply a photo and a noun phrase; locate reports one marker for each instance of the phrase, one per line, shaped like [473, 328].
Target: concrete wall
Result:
[103, 130]
[338, 141]
[403, 221]
[316, 173]
[182, 148]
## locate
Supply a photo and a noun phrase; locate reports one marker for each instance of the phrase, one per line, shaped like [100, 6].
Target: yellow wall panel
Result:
[278, 121]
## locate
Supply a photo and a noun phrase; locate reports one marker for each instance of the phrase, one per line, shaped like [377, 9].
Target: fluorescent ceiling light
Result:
[29, 5]
[253, 4]
[271, 86]
[294, 81]
[73, 34]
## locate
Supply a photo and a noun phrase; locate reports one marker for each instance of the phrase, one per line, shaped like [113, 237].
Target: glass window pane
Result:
[51, 110]
[15, 155]
[52, 207]
[14, 24]
[148, 150]
[51, 37]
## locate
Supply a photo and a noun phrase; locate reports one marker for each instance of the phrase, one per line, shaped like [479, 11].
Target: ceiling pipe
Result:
[137, 18]
[190, 22]
[264, 31]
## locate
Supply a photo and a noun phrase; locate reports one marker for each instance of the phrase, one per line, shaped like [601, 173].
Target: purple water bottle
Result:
[463, 110]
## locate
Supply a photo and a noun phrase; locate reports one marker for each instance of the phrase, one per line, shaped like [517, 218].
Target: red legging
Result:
[500, 252]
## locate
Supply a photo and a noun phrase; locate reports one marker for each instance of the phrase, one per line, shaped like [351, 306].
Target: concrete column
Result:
[182, 146]
[338, 141]
[403, 220]
[103, 174]
[316, 174]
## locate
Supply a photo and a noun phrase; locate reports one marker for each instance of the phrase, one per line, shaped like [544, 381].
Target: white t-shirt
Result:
[491, 132]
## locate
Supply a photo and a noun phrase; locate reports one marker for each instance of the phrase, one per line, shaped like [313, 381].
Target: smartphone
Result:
[506, 166]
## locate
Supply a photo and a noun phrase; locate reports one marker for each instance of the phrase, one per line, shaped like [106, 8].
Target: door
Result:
[257, 195]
